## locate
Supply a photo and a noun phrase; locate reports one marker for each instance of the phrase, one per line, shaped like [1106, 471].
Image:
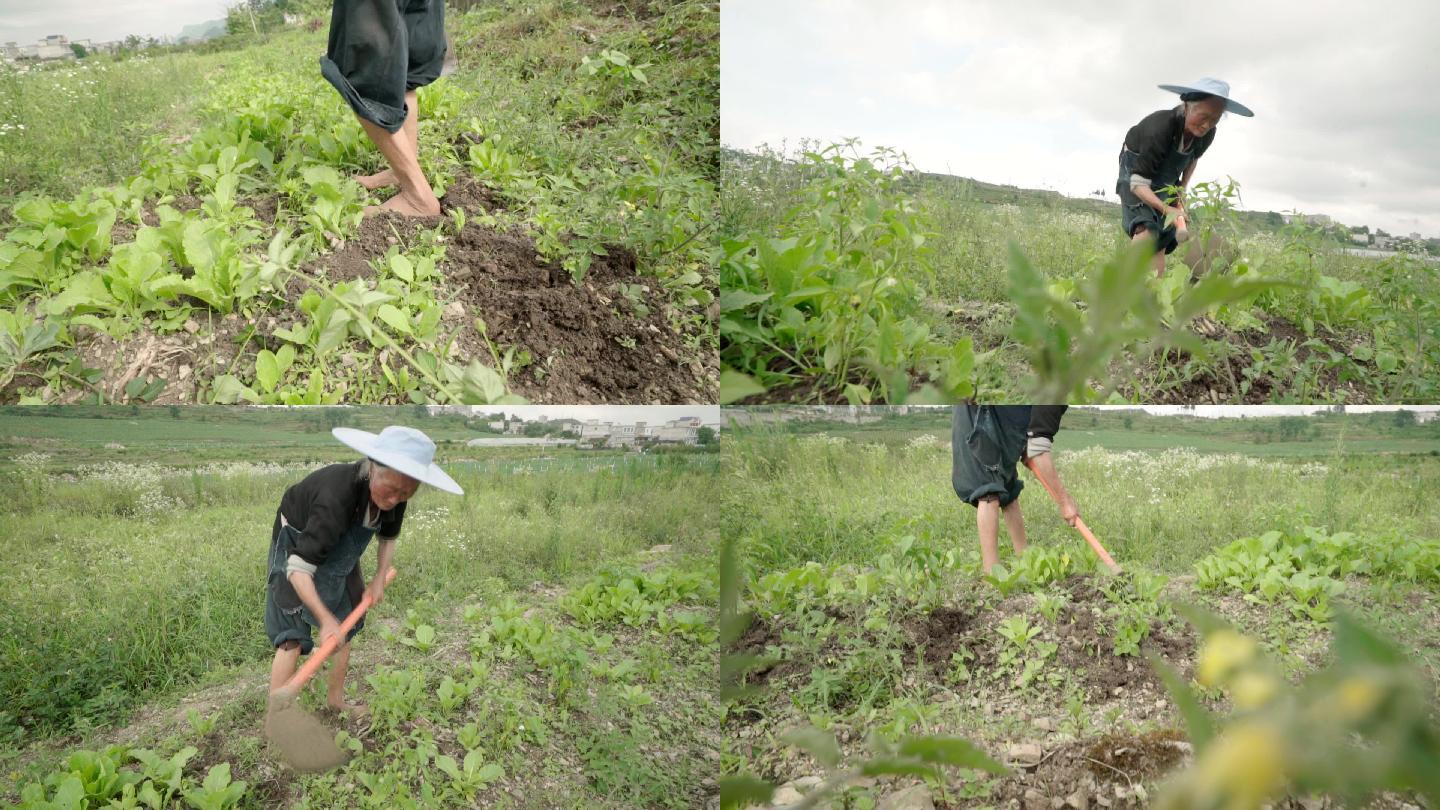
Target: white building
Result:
[55, 46]
[685, 430]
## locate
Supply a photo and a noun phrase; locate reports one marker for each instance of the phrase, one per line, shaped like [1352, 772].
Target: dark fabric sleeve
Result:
[390, 521]
[1150, 140]
[1045, 420]
[323, 526]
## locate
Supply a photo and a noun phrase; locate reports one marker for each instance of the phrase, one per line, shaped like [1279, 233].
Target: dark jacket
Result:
[1154, 138]
[1045, 420]
[325, 504]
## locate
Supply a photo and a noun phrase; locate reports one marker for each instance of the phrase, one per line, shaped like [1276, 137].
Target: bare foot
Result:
[403, 204]
[352, 711]
[378, 180]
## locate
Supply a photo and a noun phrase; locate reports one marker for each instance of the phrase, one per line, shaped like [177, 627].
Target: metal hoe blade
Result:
[305, 743]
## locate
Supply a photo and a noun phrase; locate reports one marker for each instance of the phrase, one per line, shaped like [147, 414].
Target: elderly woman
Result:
[1162, 151]
[986, 441]
[322, 528]
[380, 52]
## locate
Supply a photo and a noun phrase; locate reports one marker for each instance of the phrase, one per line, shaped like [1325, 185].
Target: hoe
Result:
[304, 742]
[1080, 524]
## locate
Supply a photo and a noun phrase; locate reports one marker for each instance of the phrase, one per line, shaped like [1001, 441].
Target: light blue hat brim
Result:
[1231, 105]
[369, 445]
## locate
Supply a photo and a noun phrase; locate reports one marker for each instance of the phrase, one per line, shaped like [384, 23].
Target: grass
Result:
[84, 123]
[139, 592]
[1157, 502]
[586, 163]
[183, 437]
[1028, 297]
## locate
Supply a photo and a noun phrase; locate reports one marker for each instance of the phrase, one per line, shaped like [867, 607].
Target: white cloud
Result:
[1347, 122]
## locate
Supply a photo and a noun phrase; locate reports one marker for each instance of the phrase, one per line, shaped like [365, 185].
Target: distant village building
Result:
[51, 48]
[685, 430]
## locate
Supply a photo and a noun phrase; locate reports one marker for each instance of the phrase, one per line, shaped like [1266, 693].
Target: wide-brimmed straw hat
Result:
[401, 448]
[1214, 87]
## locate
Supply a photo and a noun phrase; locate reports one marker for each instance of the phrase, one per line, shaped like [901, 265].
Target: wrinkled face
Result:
[1200, 116]
[389, 487]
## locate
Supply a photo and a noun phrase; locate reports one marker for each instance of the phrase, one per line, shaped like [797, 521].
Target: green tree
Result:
[705, 436]
[79, 50]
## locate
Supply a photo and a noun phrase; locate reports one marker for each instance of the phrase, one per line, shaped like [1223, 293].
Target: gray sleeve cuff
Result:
[1137, 180]
[297, 563]
[1037, 446]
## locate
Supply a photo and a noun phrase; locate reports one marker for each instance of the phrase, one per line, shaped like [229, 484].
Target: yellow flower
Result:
[1242, 769]
[1356, 698]
[1224, 652]
[1252, 689]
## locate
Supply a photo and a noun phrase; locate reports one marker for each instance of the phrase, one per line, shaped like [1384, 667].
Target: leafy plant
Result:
[834, 297]
[470, 776]
[217, 792]
[1071, 344]
[1018, 631]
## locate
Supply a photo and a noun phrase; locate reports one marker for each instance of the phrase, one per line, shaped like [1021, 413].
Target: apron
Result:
[337, 582]
[986, 442]
[1136, 212]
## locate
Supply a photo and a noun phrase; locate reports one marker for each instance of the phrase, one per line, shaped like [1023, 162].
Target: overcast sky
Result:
[1040, 94]
[28, 21]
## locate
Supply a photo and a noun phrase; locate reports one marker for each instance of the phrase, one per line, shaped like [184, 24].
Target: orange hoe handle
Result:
[306, 672]
[1079, 524]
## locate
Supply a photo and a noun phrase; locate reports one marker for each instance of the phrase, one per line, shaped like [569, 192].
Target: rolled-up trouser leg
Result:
[425, 33]
[368, 59]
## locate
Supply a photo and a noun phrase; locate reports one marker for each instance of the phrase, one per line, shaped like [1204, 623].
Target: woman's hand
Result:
[376, 591]
[330, 627]
[1069, 511]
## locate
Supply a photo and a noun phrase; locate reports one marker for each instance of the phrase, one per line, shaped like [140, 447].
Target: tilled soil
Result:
[945, 631]
[608, 339]
[1220, 385]
[1102, 771]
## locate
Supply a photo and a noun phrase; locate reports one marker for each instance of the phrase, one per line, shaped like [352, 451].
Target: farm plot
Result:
[849, 277]
[572, 154]
[1048, 668]
[879, 667]
[574, 666]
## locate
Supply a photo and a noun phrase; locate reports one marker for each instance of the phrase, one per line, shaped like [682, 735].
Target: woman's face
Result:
[389, 488]
[1200, 116]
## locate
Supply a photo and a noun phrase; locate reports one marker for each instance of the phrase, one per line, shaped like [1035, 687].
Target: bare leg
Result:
[283, 666]
[1159, 260]
[1015, 525]
[987, 520]
[412, 134]
[416, 198]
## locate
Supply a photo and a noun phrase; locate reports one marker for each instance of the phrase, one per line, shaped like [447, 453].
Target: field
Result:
[545, 633]
[848, 277]
[878, 665]
[192, 234]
